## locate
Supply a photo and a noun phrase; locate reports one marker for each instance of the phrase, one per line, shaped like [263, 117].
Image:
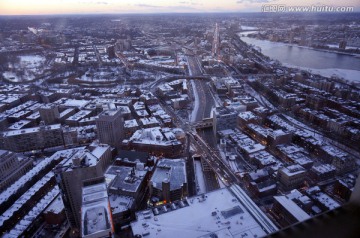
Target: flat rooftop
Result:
[221, 212]
[95, 215]
[172, 170]
[292, 208]
[123, 179]
[31, 130]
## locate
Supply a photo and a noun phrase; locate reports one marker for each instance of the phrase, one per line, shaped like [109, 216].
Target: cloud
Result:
[254, 1]
[147, 5]
[182, 8]
[190, 3]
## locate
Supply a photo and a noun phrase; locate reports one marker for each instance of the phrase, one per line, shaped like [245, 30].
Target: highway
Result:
[200, 87]
[206, 103]
[216, 42]
[215, 162]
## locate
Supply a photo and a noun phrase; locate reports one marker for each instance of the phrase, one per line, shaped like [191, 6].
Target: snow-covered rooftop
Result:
[293, 170]
[221, 212]
[95, 214]
[292, 208]
[30, 217]
[4, 196]
[323, 168]
[155, 136]
[171, 170]
[30, 130]
[126, 179]
[55, 206]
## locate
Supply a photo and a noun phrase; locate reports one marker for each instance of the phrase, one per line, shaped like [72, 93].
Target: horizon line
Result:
[159, 13]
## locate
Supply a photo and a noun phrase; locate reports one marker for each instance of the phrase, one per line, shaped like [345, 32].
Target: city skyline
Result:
[160, 124]
[43, 7]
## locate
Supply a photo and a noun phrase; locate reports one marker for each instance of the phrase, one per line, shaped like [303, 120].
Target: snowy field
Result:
[26, 69]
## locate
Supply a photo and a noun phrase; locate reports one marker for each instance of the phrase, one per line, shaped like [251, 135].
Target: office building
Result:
[127, 189]
[110, 127]
[224, 119]
[169, 182]
[70, 174]
[49, 113]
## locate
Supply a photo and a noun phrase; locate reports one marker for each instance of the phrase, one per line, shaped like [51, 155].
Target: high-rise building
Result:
[110, 125]
[70, 174]
[169, 182]
[49, 113]
[123, 45]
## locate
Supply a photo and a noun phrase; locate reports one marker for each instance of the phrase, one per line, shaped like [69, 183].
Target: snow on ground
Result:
[27, 68]
[234, 167]
[296, 122]
[196, 102]
[347, 74]
[258, 97]
[196, 99]
[317, 135]
[249, 28]
[105, 75]
[200, 182]
[33, 60]
[221, 183]
[347, 47]
[223, 156]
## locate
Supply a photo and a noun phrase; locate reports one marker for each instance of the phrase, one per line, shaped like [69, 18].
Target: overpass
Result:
[169, 79]
[205, 123]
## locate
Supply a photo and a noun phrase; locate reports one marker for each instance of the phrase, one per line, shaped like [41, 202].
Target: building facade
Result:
[110, 125]
[169, 182]
[12, 168]
[35, 138]
[71, 173]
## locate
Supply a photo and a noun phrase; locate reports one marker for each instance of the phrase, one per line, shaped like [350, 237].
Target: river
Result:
[320, 62]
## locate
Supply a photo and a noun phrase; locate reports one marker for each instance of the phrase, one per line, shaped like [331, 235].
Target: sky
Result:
[35, 7]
